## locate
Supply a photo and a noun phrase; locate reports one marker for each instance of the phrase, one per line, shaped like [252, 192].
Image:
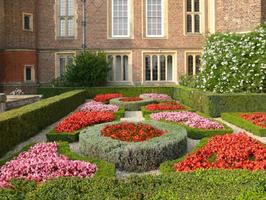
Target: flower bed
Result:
[107, 97]
[69, 128]
[41, 163]
[252, 122]
[94, 106]
[131, 132]
[156, 96]
[196, 125]
[135, 156]
[236, 151]
[131, 104]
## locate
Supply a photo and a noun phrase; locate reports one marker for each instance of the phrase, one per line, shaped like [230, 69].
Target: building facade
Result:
[148, 42]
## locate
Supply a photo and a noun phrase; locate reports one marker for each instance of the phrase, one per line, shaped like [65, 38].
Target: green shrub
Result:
[188, 81]
[237, 120]
[139, 156]
[234, 62]
[20, 124]
[131, 106]
[88, 69]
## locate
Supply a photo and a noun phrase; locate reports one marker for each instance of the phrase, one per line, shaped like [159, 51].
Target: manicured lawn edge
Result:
[237, 120]
[20, 124]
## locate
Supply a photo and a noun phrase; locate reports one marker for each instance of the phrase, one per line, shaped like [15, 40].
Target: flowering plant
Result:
[187, 118]
[155, 96]
[165, 106]
[107, 97]
[130, 99]
[131, 132]
[258, 119]
[82, 119]
[94, 106]
[42, 162]
[236, 151]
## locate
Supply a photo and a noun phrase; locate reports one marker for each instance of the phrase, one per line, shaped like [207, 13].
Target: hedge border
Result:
[196, 133]
[237, 120]
[20, 124]
[74, 136]
[135, 157]
[131, 106]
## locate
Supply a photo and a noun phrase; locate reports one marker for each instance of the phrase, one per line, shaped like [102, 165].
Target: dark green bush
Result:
[88, 69]
[20, 124]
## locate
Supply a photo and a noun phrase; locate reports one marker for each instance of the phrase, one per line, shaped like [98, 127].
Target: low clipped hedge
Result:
[131, 106]
[211, 185]
[197, 133]
[237, 120]
[135, 157]
[74, 136]
[20, 124]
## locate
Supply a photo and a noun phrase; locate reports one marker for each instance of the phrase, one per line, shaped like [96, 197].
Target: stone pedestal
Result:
[2, 102]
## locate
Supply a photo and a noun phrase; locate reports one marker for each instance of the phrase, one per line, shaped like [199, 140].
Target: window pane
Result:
[62, 27]
[154, 17]
[196, 5]
[120, 18]
[197, 23]
[62, 63]
[125, 68]
[118, 63]
[70, 7]
[190, 65]
[154, 68]
[27, 22]
[189, 23]
[110, 72]
[28, 74]
[148, 68]
[169, 68]
[162, 68]
[62, 8]
[70, 27]
[189, 5]
[198, 63]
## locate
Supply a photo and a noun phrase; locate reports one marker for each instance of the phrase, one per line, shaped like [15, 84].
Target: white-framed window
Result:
[120, 67]
[62, 61]
[120, 18]
[29, 73]
[154, 18]
[193, 16]
[193, 63]
[27, 21]
[66, 19]
[158, 67]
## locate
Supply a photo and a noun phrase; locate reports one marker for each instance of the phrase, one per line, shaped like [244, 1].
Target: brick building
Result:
[148, 41]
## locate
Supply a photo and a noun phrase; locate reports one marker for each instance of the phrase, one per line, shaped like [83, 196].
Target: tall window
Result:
[63, 60]
[120, 18]
[29, 75]
[193, 16]
[66, 18]
[193, 64]
[27, 22]
[158, 67]
[154, 18]
[119, 65]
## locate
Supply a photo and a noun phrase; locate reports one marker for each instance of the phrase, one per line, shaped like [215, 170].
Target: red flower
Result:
[107, 97]
[130, 99]
[82, 119]
[165, 106]
[131, 132]
[258, 119]
[236, 151]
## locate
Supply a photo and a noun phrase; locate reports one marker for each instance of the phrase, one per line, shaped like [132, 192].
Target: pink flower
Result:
[42, 162]
[93, 106]
[155, 96]
[188, 118]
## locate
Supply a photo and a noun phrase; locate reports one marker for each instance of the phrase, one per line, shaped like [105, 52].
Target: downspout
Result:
[84, 25]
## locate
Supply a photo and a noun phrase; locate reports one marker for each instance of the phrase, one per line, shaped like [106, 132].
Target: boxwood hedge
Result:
[19, 124]
[139, 156]
[237, 120]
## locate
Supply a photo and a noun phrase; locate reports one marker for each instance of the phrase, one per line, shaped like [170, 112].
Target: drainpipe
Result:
[84, 25]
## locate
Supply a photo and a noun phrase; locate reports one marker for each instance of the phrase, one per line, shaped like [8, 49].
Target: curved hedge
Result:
[135, 157]
[131, 106]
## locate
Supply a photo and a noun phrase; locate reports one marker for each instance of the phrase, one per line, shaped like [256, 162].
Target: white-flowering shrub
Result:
[234, 62]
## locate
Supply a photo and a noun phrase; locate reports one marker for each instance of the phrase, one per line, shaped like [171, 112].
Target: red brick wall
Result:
[2, 33]
[12, 65]
[263, 10]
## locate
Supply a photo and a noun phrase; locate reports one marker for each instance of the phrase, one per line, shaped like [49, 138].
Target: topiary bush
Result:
[139, 156]
[88, 69]
[234, 62]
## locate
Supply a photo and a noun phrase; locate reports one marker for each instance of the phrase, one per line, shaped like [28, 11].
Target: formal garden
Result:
[202, 139]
